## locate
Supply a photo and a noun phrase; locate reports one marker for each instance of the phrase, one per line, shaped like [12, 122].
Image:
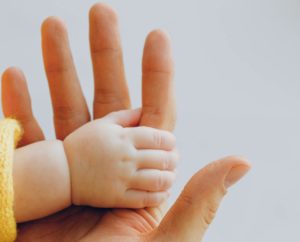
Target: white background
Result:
[237, 82]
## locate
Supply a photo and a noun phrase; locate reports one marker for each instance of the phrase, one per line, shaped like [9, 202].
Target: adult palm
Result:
[190, 216]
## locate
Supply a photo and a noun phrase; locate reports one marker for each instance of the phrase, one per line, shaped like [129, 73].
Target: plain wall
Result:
[237, 86]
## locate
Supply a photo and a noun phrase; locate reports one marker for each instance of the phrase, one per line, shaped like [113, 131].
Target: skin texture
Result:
[41, 180]
[116, 165]
[195, 208]
[107, 163]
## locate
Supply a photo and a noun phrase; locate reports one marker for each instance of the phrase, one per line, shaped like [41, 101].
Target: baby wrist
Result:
[73, 157]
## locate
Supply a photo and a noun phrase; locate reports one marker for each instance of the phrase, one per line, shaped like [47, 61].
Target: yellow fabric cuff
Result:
[10, 134]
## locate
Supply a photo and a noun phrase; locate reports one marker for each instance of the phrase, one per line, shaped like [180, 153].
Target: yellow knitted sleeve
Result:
[10, 133]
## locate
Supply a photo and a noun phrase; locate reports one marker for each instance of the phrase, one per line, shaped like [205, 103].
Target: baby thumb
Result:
[188, 219]
[125, 118]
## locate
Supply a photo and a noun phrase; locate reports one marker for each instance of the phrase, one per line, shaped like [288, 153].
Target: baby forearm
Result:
[41, 180]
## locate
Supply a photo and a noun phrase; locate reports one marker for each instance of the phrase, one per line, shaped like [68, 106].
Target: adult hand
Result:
[190, 216]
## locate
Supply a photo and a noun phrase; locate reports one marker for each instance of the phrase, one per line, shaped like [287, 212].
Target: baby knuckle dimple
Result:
[171, 138]
[174, 159]
[124, 135]
[133, 153]
[130, 153]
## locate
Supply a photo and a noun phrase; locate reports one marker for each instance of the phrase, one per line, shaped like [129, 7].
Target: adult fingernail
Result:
[235, 174]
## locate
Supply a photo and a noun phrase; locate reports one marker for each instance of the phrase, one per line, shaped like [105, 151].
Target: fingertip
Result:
[227, 170]
[158, 52]
[238, 159]
[156, 198]
[16, 103]
[104, 34]
[11, 74]
[54, 45]
[125, 118]
[170, 140]
[157, 85]
[172, 163]
[52, 25]
[170, 179]
[103, 9]
[200, 199]
[176, 154]
[159, 36]
[158, 40]
[11, 71]
[173, 137]
[175, 162]
[239, 169]
[14, 91]
[165, 197]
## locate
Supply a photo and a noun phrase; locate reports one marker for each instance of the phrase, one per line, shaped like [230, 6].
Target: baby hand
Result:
[115, 164]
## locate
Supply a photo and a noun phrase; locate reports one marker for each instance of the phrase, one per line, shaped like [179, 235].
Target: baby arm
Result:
[41, 180]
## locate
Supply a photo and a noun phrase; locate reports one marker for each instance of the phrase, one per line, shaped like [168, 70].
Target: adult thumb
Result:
[190, 216]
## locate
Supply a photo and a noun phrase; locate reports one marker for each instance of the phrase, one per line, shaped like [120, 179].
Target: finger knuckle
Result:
[174, 160]
[152, 110]
[105, 96]
[186, 199]
[210, 214]
[63, 112]
[100, 8]
[209, 208]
